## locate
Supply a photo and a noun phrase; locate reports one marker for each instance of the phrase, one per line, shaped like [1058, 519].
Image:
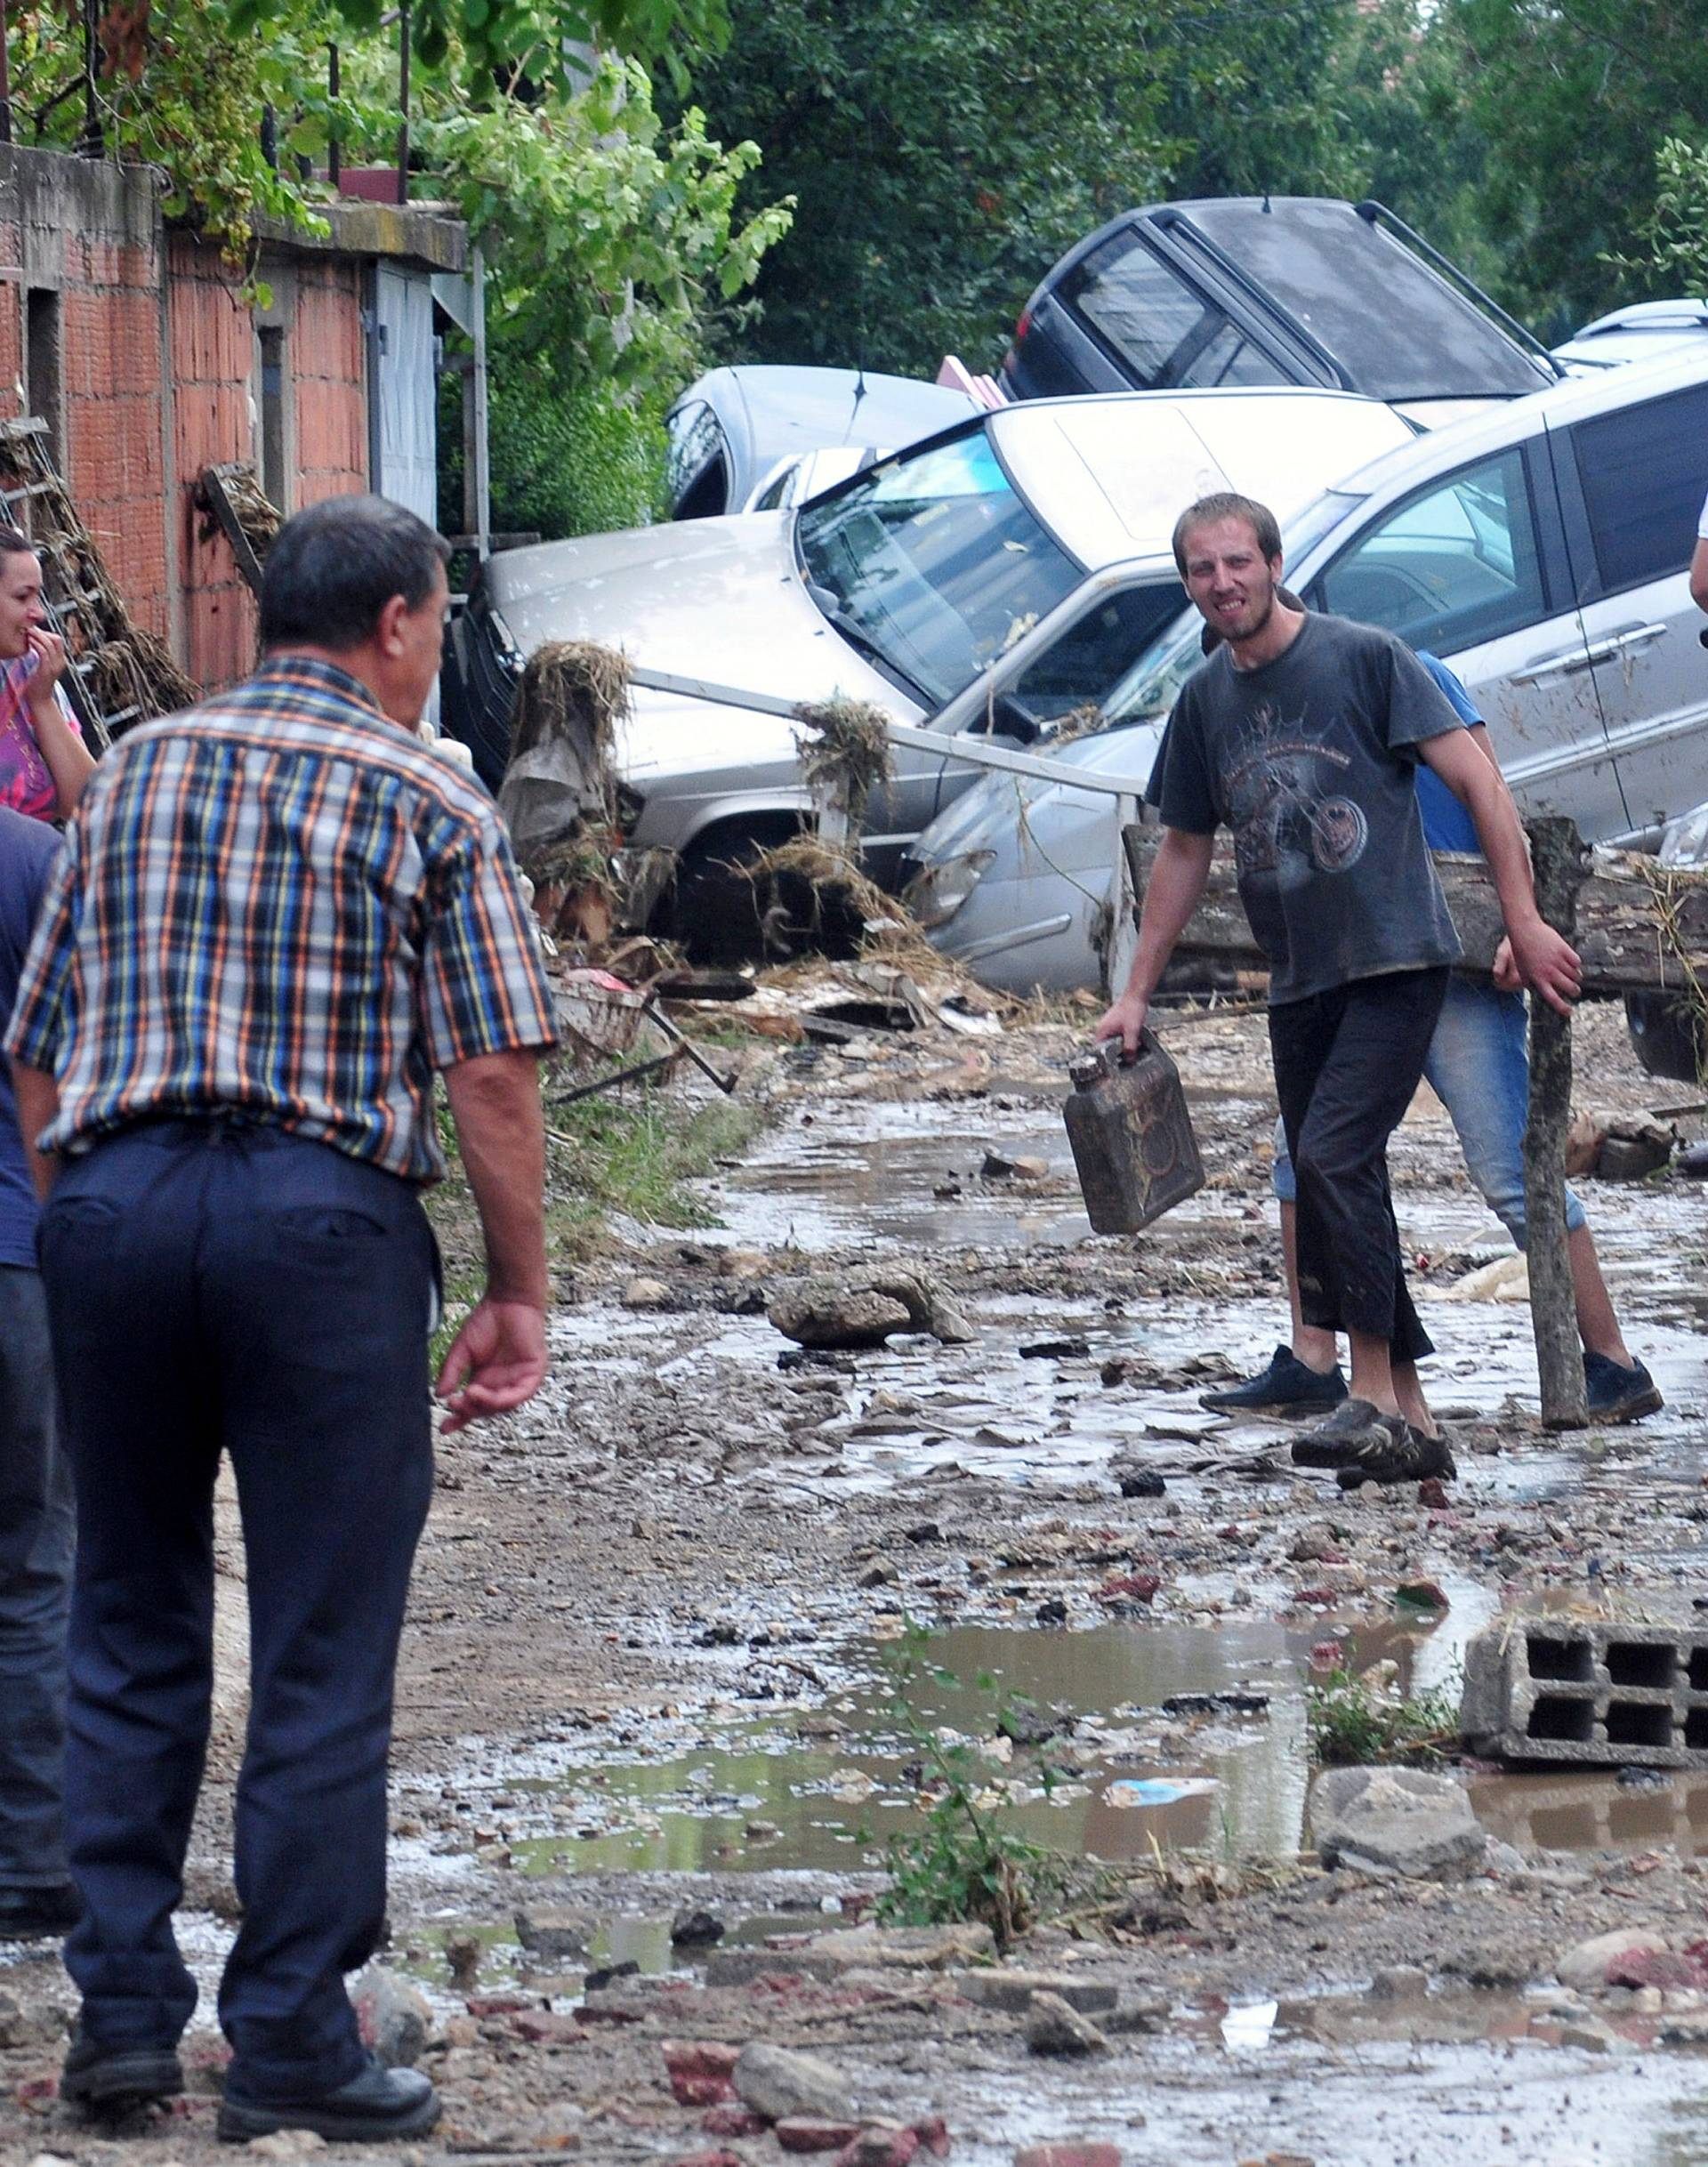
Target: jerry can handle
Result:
[1106, 1060]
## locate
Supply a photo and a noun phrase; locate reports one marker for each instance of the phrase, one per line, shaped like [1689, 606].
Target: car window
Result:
[1082, 667]
[1455, 564]
[1154, 685]
[697, 466]
[937, 560]
[775, 492]
[1644, 471]
[1165, 331]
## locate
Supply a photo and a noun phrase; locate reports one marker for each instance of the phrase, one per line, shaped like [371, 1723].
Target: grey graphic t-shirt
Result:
[1310, 761]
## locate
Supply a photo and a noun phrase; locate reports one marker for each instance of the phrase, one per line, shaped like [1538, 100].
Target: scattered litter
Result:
[1158, 1790]
[1506, 1279]
[1246, 2029]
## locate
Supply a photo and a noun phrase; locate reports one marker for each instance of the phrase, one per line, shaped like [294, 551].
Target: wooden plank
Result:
[211, 488]
[1640, 925]
[1557, 861]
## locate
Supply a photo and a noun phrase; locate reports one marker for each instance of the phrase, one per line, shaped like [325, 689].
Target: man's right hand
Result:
[496, 1361]
[1125, 1020]
[1547, 962]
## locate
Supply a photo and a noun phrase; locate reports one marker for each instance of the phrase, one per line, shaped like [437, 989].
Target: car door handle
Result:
[1617, 643]
[1560, 665]
[1572, 658]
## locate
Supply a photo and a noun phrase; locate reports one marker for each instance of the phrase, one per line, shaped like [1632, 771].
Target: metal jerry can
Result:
[1133, 1147]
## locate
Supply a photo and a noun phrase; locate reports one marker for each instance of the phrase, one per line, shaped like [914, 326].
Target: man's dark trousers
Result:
[212, 1286]
[37, 1536]
[1346, 1062]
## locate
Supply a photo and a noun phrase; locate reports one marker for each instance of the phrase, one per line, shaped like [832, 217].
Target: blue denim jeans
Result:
[1480, 1069]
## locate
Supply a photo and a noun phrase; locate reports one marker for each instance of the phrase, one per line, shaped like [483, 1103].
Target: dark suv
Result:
[1260, 290]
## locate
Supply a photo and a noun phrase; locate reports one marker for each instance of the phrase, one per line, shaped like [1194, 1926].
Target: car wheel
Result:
[724, 911]
[1668, 1035]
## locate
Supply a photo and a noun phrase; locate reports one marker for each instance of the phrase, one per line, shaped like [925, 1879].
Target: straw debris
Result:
[847, 754]
[835, 897]
[578, 689]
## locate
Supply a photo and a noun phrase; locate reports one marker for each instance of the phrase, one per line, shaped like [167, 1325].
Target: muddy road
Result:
[650, 1669]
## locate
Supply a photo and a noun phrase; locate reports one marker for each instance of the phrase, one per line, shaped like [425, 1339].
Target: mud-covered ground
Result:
[645, 1668]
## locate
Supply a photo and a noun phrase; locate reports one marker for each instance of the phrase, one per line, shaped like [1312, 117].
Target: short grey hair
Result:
[333, 567]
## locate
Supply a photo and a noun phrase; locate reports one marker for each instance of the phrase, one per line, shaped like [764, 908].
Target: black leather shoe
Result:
[379, 2103]
[29, 1914]
[106, 2080]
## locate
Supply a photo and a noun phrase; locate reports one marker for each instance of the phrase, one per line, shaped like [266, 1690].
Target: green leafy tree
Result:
[1673, 240]
[941, 154]
[1256, 97]
[609, 239]
[609, 231]
[1574, 98]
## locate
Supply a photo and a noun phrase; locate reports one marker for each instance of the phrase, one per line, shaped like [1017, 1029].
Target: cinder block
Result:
[1601, 1695]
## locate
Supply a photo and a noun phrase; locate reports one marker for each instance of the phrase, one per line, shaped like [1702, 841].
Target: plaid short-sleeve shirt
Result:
[280, 905]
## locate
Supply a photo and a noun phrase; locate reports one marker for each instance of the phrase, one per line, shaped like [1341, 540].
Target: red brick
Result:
[699, 2071]
[732, 2121]
[803, 2133]
[543, 2027]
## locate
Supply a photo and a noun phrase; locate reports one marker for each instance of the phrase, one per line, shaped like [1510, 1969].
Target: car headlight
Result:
[935, 895]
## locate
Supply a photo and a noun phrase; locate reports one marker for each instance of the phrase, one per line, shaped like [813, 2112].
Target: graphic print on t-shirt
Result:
[1290, 819]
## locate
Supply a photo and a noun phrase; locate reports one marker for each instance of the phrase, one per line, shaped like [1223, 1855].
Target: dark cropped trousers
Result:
[222, 1287]
[1346, 1062]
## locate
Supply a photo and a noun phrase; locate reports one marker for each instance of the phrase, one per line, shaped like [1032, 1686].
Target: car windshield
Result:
[1400, 331]
[936, 562]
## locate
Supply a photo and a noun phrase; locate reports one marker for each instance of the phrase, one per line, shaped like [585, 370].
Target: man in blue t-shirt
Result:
[37, 1514]
[1478, 1067]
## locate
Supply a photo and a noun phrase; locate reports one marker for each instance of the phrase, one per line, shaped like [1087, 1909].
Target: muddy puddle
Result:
[1157, 1737]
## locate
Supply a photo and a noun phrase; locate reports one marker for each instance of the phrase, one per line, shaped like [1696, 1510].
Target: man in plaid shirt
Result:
[277, 916]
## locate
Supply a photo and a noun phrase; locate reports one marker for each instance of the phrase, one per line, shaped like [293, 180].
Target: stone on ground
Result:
[823, 1311]
[1016, 1990]
[553, 1935]
[393, 2019]
[1393, 1821]
[1051, 2027]
[778, 2083]
[1585, 1967]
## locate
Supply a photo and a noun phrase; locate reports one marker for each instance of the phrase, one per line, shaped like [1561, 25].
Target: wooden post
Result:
[1558, 862]
[402, 102]
[334, 151]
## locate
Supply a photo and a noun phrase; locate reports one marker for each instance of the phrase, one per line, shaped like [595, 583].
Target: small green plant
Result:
[965, 1861]
[1353, 1722]
[633, 1152]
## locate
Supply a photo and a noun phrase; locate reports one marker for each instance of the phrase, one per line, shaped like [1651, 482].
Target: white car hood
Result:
[719, 601]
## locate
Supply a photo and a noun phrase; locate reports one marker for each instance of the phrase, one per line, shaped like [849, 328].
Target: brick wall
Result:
[153, 363]
[86, 240]
[114, 406]
[329, 380]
